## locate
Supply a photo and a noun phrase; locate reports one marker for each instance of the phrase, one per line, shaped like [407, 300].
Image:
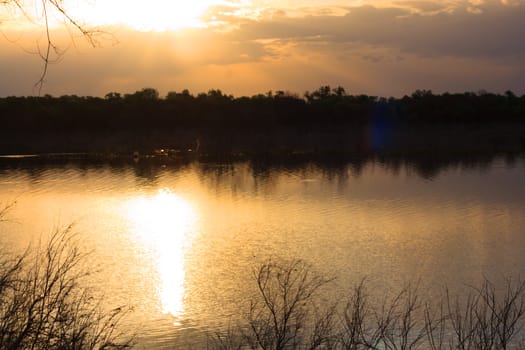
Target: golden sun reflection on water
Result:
[164, 223]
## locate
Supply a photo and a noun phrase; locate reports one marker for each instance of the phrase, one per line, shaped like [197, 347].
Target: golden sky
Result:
[244, 47]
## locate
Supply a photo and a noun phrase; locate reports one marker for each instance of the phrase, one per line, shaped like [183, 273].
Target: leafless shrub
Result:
[401, 321]
[488, 318]
[436, 331]
[506, 314]
[395, 324]
[284, 315]
[44, 303]
[359, 326]
[231, 339]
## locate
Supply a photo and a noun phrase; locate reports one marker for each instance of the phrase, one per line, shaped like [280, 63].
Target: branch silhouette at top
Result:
[50, 47]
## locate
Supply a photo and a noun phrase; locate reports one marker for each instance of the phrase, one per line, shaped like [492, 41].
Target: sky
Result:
[245, 47]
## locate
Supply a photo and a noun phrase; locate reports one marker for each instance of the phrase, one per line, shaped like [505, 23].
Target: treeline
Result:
[326, 106]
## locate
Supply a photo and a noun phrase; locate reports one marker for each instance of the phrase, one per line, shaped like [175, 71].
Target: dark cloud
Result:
[497, 30]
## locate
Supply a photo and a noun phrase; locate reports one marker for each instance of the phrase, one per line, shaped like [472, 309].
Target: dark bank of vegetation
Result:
[324, 121]
[326, 106]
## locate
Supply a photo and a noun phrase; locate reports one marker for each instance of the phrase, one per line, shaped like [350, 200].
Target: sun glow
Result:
[164, 224]
[152, 15]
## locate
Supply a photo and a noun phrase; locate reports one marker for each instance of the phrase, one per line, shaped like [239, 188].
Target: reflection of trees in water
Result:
[425, 166]
[256, 172]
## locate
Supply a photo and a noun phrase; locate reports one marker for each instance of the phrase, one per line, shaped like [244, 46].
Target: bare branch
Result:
[45, 303]
[50, 48]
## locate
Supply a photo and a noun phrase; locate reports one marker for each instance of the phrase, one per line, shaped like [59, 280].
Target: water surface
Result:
[179, 241]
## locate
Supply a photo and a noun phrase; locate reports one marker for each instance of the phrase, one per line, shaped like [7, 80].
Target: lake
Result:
[178, 241]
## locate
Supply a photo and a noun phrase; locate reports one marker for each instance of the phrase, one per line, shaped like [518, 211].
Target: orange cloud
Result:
[381, 50]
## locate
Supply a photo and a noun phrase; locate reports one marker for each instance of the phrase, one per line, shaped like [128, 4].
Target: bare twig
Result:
[45, 303]
[50, 48]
